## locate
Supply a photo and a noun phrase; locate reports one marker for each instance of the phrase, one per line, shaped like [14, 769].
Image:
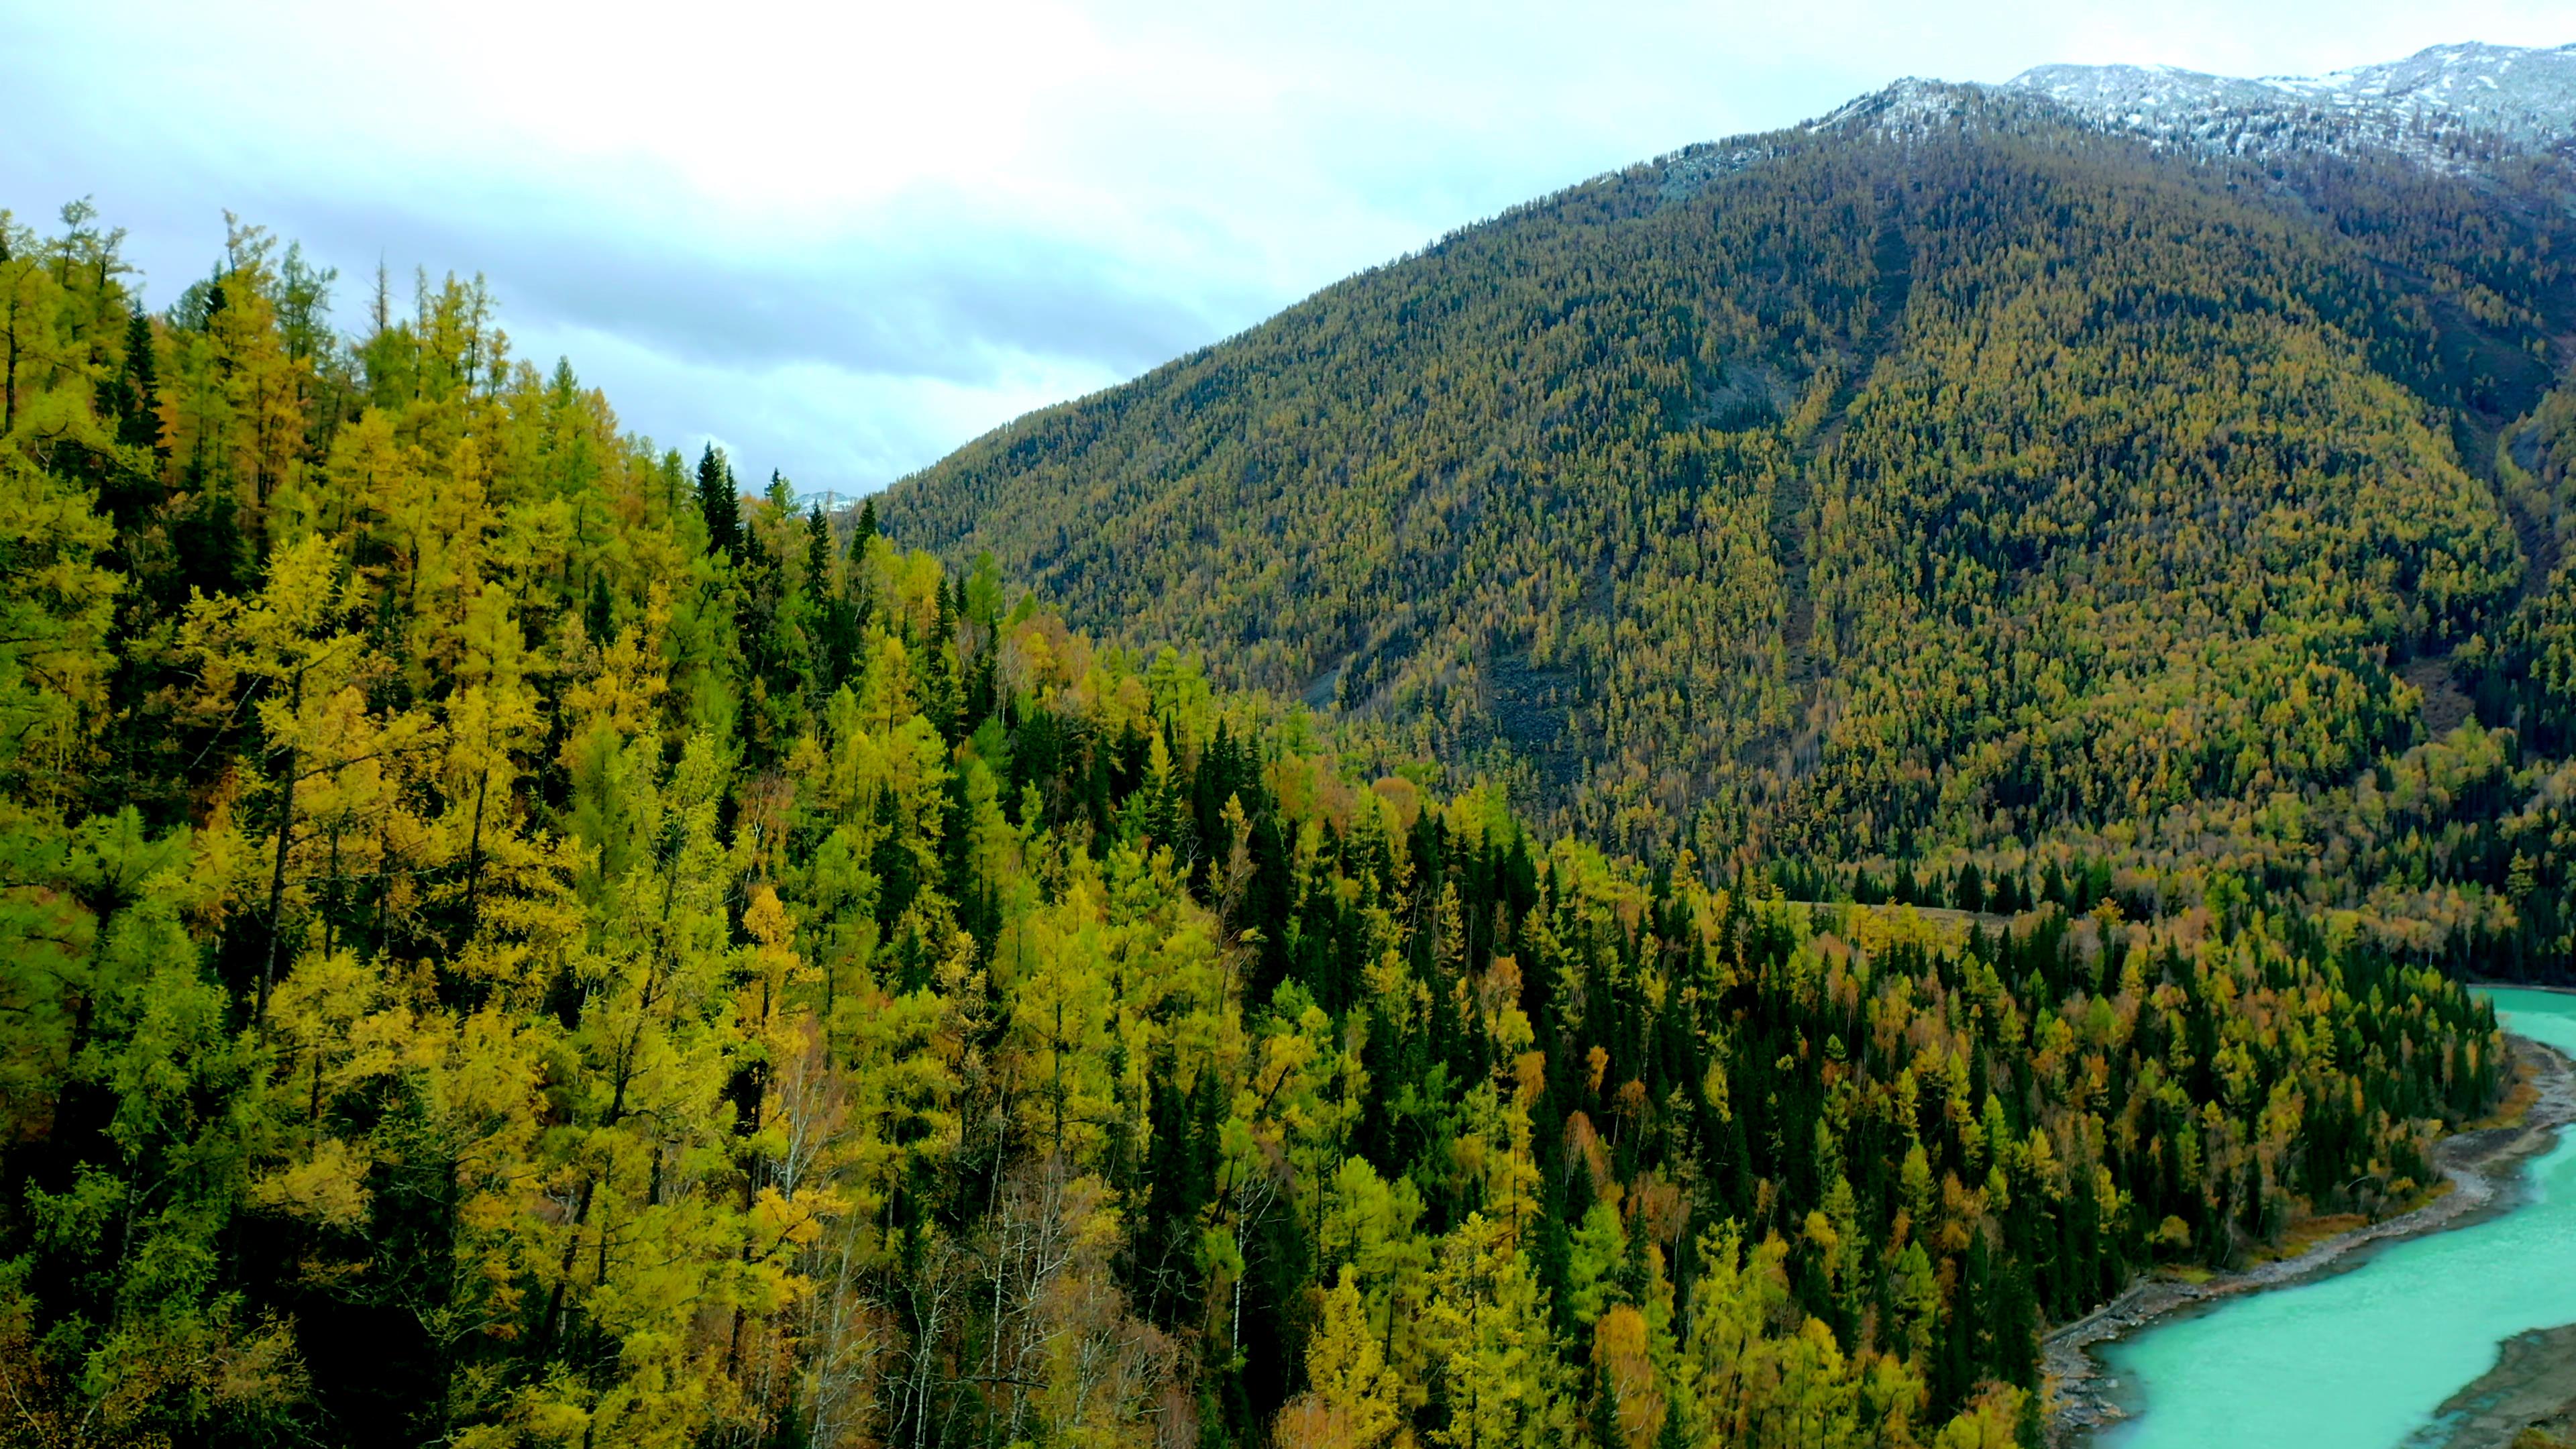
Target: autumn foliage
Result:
[507, 940]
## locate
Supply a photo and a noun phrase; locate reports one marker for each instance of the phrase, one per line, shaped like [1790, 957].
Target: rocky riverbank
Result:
[2477, 1165]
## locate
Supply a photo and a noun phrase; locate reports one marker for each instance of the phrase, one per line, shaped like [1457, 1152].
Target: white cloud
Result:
[852, 430]
[845, 238]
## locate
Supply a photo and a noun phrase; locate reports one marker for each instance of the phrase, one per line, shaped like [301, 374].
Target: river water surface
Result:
[2361, 1359]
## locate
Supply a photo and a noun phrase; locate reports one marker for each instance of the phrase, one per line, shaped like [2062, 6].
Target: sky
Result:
[843, 239]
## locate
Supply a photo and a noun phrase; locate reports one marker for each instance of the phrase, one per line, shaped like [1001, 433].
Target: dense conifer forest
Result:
[510, 937]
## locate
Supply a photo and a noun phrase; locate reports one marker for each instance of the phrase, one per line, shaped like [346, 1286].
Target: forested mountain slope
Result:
[504, 941]
[1957, 478]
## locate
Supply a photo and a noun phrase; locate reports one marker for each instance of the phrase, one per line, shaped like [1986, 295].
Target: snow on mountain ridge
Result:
[2457, 108]
[2525, 95]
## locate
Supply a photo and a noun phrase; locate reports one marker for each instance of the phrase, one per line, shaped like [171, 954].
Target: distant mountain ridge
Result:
[2450, 107]
[2521, 93]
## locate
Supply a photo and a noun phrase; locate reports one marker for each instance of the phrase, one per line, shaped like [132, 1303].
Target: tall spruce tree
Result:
[720, 501]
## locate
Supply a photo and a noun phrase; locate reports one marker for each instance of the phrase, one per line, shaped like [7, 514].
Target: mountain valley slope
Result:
[1969, 469]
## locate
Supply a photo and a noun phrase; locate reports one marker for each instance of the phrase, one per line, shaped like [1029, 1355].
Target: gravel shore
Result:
[2477, 1165]
[2533, 1385]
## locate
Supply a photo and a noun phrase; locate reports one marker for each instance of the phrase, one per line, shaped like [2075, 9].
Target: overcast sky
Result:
[843, 239]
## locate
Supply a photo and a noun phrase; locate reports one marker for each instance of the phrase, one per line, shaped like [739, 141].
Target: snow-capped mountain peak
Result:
[2432, 100]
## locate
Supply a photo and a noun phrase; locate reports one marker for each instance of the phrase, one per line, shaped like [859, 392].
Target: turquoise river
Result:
[2360, 1359]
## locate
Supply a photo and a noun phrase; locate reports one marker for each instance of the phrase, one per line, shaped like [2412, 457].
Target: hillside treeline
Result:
[508, 939]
